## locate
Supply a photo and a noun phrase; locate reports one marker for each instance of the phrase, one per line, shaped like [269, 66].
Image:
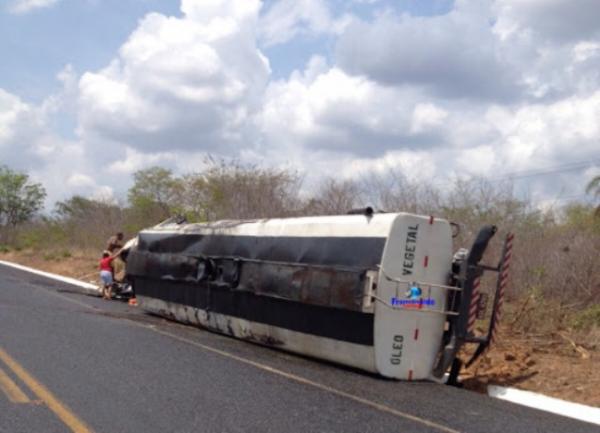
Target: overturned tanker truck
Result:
[381, 292]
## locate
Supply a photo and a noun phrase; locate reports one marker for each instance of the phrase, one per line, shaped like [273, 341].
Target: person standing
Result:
[107, 273]
[115, 243]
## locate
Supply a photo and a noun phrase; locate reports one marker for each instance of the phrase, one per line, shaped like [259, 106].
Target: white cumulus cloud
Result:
[455, 55]
[555, 21]
[485, 89]
[287, 19]
[182, 83]
[12, 109]
[25, 6]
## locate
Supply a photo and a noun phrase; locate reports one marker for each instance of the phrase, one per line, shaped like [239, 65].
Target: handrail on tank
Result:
[402, 281]
[418, 310]
[408, 283]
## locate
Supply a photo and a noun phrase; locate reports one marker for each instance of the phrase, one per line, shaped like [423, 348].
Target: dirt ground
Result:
[82, 265]
[553, 364]
[559, 364]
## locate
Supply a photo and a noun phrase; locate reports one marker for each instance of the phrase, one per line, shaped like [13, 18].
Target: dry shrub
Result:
[231, 190]
[556, 260]
[333, 197]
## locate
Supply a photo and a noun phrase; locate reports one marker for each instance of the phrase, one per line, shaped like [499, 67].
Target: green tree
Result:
[233, 190]
[77, 208]
[194, 197]
[88, 223]
[334, 197]
[20, 198]
[155, 185]
[153, 196]
[581, 217]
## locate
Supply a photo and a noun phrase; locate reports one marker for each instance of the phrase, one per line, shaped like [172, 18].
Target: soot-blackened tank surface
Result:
[309, 285]
[304, 273]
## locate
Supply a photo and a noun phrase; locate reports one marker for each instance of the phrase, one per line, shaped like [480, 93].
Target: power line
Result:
[542, 172]
[561, 198]
[563, 168]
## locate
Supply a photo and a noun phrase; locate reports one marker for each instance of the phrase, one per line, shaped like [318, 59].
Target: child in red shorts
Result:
[106, 273]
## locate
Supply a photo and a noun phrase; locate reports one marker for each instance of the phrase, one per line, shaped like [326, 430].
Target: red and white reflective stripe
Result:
[503, 282]
[474, 305]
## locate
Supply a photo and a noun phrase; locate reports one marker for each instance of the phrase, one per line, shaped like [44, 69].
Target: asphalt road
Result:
[72, 362]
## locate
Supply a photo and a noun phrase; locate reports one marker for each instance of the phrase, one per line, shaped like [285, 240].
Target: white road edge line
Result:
[525, 398]
[57, 277]
[258, 365]
[549, 404]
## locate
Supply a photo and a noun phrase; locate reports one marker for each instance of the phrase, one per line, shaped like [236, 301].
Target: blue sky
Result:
[435, 89]
[86, 34]
[293, 55]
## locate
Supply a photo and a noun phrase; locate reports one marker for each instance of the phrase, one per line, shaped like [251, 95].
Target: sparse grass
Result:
[538, 351]
[554, 271]
[80, 263]
[49, 257]
[587, 319]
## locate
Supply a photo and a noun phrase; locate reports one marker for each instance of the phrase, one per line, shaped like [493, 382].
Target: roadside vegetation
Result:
[553, 305]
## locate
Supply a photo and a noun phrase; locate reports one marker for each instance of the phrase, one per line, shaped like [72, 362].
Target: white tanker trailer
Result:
[375, 291]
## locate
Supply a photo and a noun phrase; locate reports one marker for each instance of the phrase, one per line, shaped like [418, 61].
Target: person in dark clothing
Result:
[115, 243]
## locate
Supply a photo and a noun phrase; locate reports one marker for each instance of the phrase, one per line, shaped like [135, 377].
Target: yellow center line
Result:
[290, 376]
[54, 404]
[12, 391]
